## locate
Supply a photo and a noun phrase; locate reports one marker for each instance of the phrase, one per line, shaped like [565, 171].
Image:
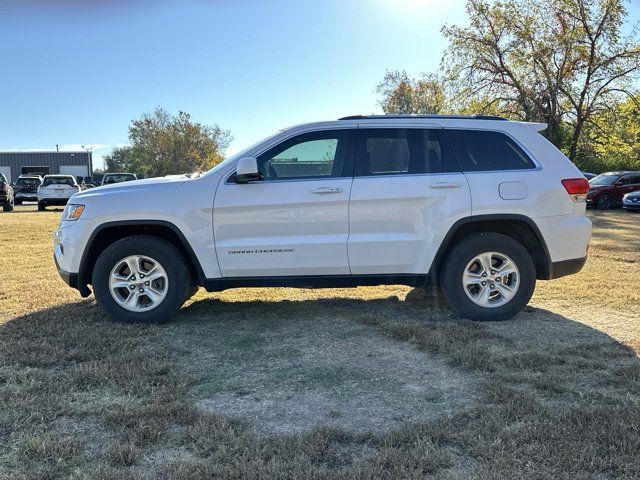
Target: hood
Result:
[134, 186]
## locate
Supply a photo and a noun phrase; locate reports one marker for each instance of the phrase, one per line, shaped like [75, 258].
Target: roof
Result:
[456, 117]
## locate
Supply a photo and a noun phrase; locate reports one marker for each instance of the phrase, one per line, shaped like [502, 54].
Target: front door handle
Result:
[324, 190]
[444, 185]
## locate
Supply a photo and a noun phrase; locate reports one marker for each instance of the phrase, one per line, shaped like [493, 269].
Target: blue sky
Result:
[75, 73]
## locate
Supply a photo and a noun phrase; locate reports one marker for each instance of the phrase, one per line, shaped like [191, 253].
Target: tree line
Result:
[568, 63]
[572, 64]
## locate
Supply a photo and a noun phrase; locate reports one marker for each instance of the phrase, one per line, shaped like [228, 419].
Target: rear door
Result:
[295, 220]
[407, 192]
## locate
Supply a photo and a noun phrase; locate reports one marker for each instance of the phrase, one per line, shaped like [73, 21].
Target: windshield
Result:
[58, 181]
[604, 179]
[28, 181]
[119, 178]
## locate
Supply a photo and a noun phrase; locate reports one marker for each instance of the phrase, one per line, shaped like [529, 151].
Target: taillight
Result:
[577, 188]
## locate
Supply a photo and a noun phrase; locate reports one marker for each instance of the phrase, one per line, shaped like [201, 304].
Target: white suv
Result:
[481, 205]
[56, 190]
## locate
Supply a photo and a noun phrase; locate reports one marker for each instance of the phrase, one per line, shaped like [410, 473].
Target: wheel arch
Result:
[110, 232]
[519, 227]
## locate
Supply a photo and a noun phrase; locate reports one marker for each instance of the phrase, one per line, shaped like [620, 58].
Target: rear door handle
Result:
[444, 185]
[325, 190]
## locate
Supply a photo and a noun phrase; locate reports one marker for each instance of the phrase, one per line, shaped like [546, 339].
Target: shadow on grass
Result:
[79, 393]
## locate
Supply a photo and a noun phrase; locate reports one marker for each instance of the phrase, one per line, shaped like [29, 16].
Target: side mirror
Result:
[247, 170]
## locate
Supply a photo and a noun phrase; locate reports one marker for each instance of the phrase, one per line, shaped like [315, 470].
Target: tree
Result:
[557, 61]
[121, 159]
[613, 138]
[165, 144]
[402, 94]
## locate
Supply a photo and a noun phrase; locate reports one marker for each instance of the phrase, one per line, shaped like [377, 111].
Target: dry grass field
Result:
[345, 384]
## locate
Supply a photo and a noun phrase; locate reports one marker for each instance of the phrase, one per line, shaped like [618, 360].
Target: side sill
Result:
[316, 281]
[567, 267]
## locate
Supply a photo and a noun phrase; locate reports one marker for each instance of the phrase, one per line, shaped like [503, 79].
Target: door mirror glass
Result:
[247, 170]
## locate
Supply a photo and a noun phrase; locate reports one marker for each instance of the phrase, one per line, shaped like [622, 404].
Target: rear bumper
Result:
[53, 201]
[26, 196]
[567, 267]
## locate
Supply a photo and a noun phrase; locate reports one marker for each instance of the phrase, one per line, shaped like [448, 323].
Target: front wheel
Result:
[488, 276]
[604, 202]
[141, 279]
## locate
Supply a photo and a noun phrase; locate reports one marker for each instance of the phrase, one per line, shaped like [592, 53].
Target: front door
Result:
[407, 193]
[295, 221]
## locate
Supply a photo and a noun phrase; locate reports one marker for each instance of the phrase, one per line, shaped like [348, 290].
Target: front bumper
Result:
[69, 278]
[631, 205]
[72, 279]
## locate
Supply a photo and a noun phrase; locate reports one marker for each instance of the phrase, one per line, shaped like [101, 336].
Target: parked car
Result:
[588, 175]
[607, 189]
[365, 200]
[631, 201]
[6, 194]
[110, 178]
[56, 190]
[26, 188]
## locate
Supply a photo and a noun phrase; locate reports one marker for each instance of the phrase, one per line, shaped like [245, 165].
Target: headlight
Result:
[73, 212]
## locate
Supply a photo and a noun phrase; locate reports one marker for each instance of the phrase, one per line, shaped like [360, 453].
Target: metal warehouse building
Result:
[14, 164]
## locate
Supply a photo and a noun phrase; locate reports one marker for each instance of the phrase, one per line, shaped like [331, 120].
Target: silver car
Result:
[631, 201]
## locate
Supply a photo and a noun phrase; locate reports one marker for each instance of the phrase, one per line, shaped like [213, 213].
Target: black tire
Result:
[194, 289]
[464, 252]
[7, 207]
[173, 262]
[41, 207]
[604, 202]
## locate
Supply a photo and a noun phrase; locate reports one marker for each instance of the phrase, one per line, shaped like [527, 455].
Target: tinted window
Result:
[311, 155]
[399, 151]
[478, 151]
[635, 180]
[604, 179]
[28, 181]
[58, 181]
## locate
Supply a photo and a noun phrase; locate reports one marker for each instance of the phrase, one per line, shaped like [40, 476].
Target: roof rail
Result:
[458, 117]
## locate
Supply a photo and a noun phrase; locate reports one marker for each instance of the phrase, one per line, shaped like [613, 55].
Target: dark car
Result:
[607, 189]
[26, 188]
[6, 194]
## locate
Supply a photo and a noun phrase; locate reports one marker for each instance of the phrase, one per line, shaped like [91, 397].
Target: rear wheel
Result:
[141, 279]
[488, 276]
[604, 202]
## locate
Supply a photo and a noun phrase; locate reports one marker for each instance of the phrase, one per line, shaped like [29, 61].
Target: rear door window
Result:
[400, 151]
[482, 151]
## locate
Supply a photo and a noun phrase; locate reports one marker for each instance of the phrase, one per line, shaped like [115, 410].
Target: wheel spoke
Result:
[133, 264]
[119, 284]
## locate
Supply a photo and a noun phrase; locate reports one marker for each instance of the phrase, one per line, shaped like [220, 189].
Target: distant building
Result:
[14, 164]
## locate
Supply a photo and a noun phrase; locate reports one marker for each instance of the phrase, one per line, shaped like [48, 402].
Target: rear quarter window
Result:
[482, 151]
